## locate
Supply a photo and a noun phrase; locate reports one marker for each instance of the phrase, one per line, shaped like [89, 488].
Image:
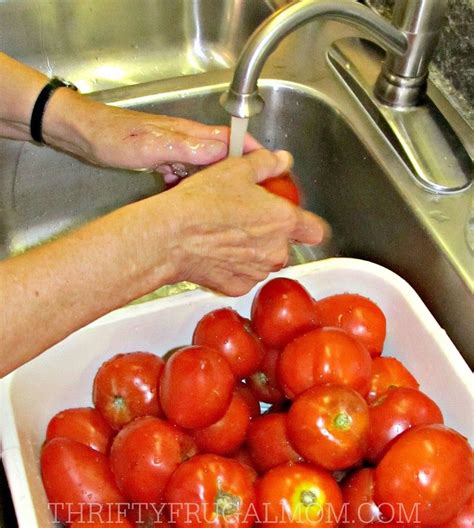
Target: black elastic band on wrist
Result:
[36, 123]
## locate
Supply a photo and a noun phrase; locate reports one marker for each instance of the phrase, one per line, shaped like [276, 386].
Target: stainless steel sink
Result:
[348, 171]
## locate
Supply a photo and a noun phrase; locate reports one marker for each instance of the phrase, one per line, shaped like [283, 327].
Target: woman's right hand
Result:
[226, 232]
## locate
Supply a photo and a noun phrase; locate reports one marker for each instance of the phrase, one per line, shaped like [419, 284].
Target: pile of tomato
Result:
[346, 437]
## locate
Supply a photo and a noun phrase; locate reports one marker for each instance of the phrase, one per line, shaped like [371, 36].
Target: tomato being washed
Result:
[196, 387]
[358, 316]
[85, 425]
[230, 334]
[329, 426]
[211, 491]
[281, 310]
[283, 186]
[126, 387]
[428, 469]
[298, 495]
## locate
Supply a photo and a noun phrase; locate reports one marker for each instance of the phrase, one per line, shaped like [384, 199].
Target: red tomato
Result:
[250, 399]
[85, 425]
[324, 355]
[148, 515]
[329, 426]
[124, 523]
[395, 411]
[268, 444]
[126, 386]
[144, 455]
[281, 310]
[388, 372]
[230, 334]
[298, 495]
[264, 382]
[283, 186]
[226, 435]
[358, 316]
[211, 491]
[429, 470]
[196, 387]
[75, 475]
[358, 494]
[464, 518]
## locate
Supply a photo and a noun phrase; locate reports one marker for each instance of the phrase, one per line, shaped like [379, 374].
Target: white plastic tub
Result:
[62, 377]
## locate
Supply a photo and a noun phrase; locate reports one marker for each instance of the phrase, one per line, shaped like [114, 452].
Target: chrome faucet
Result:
[401, 85]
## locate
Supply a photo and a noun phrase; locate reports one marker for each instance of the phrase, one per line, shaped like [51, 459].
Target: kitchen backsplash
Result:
[452, 69]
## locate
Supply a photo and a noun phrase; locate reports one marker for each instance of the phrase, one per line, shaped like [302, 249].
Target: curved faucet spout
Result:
[243, 100]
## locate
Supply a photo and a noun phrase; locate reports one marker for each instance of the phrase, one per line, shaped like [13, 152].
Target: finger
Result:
[268, 164]
[251, 144]
[310, 228]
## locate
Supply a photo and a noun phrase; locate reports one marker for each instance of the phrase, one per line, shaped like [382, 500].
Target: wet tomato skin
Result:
[144, 454]
[126, 387]
[329, 425]
[225, 436]
[196, 387]
[230, 334]
[283, 186]
[388, 372]
[281, 310]
[464, 517]
[358, 316]
[324, 355]
[264, 383]
[429, 467]
[220, 490]
[75, 474]
[250, 399]
[298, 496]
[84, 425]
[395, 411]
[358, 493]
[268, 443]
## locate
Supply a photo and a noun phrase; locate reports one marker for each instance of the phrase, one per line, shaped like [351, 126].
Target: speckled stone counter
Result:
[452, 69]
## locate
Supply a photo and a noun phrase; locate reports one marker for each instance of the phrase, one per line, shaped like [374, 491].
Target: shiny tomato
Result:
[396, 411]
[97, 516]
[123, 523]
[464, 518]
[144, 515]
[85, 425]
[358, 495]
[250, 399]
[75, 475]
[324, 355]
[281, 310]
[144, 455]
[264, 382]
[429, 470]
[126, 387]
[329, 426]
[268, 444]
[196, 387]
[298, 495]
[230, 334]
[388, 372]
[226, 435]
[283, 186]
[358, 316]
[211, 491]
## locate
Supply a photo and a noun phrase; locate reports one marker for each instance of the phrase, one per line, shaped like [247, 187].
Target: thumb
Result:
[268, 164]
[310, 228]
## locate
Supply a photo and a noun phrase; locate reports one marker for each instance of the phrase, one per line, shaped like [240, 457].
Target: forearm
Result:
[57, 288]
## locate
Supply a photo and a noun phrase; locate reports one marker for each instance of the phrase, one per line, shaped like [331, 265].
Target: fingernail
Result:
[285, 159]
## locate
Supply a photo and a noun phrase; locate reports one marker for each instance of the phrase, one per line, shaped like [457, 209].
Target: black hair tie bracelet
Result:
[36, 123]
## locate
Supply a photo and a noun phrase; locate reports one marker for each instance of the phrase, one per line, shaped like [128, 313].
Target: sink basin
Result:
[348, 173]
[112, 43]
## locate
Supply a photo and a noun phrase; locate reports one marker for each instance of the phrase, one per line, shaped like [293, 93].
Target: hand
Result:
[230, 233]
[117, 137]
